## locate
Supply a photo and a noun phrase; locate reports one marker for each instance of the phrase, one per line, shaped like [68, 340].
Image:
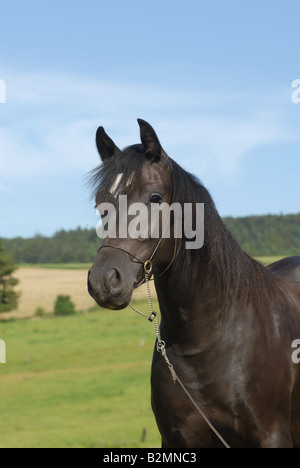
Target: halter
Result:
[153, 318]
[147, 265]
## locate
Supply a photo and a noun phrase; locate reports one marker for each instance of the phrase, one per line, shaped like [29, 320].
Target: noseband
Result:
[147, 265]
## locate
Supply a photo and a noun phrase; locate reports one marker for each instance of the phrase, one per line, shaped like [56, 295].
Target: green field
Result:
[78, 381]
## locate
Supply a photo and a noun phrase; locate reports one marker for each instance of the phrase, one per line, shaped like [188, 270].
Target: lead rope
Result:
[161, 348]
[153, 318]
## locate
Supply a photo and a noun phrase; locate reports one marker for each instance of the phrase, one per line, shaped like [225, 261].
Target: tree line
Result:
[268, 234]
[75, 246]
[257, 235]
[8, 297]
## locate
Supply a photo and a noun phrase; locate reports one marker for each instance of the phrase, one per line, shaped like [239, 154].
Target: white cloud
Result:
[50, 122]
[66, 147]
[218, 143]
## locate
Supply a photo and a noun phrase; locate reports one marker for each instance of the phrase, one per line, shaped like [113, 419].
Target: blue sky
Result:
[213, 78]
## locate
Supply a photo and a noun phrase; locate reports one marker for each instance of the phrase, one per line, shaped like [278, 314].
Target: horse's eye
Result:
[155, 198]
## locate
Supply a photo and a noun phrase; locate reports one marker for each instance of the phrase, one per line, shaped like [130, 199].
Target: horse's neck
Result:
[188, 311]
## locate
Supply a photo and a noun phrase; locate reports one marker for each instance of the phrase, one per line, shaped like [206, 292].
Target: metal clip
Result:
[148, 267]
[152, 316]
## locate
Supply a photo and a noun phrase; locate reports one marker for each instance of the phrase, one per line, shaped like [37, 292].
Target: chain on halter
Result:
[153, 318]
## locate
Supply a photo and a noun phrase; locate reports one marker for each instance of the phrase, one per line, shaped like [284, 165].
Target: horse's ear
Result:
[153, 148]
[105, 145]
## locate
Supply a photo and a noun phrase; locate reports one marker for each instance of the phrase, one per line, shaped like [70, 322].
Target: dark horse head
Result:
[142, 173]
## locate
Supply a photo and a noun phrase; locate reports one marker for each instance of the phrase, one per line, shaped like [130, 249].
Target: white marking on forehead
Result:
[130, 179]
[117, 181]
[114, 186]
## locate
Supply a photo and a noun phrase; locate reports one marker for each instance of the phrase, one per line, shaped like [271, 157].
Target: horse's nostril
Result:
[114, 279]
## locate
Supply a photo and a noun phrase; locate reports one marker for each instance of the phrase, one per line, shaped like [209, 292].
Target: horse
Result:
[227, 320]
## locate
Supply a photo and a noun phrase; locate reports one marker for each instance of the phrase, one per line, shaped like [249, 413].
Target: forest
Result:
[257, 235]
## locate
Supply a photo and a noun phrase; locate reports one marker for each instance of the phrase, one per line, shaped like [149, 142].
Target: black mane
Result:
[241, 279]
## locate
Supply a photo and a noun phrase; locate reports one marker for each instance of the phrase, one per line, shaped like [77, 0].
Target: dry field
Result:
[39, 287]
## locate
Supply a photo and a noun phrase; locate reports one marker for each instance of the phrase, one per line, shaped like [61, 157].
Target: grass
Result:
[80, 381]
